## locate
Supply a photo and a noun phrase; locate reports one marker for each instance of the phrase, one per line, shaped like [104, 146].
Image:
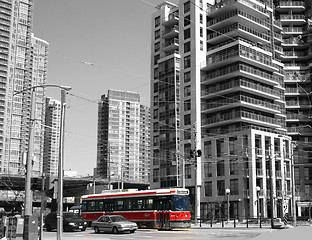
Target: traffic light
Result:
[194, 153]
[199, 153]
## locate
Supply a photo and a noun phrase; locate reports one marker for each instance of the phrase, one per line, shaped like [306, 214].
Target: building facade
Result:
[123, 138]
[21, 53]
[220, 63]
[296, 20]
[51, 137]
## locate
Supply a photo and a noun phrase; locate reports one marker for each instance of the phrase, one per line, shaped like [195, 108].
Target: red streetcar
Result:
[158, 208]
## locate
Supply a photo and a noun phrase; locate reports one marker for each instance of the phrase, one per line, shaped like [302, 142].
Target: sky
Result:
[94, 46]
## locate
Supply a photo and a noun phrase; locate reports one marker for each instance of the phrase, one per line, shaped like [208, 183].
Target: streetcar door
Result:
[162, 217]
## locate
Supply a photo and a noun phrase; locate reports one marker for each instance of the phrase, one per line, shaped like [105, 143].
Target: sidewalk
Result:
[291, 233]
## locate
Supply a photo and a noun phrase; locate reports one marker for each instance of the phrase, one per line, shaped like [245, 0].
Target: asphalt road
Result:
[194, 233]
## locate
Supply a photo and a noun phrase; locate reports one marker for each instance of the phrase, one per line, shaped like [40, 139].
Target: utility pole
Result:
[293, 195]
[271, 184]
[195, 153]
[28, 192]
[61, 168]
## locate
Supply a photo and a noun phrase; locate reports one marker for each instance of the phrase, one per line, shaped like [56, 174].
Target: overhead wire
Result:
[95, 65]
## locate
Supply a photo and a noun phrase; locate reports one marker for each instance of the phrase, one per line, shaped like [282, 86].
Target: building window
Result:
[207, 149]
[201, 18]
[156, 126]
[156, 157]
[233, 167]
[155, 141]
[220, 147]
[155, 175]
[188, 172]
[234, 186]
[208, 189]
[187, 134]
[220, 188]
[201, 32]
[155, 113]
[157, 21]
[155, 73]
[233, 145]
[187, 76]
[187, 105]
[187, 33]
[208, 169]
[201, 45]
[187, 20]
[187, 7]
[187, 150]
[157, 34]
[157, 46]
[187, 47]
[155, 87]
[155, 100]
[187, 91]
[156, 58]
[187, 119]
[220, 168]
[187, 62]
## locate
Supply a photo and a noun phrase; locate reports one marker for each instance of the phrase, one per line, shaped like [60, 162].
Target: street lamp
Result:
[64, 91]
[28, 194]
[258, 206]
[227, 191]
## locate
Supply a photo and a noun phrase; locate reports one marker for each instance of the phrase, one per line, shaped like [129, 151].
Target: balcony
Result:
[242, 17]
[172, 19]
[294, 19]
[293, 30]
[240, 100]
[171, 32]
[171, 45]
[238, 29]
[294, 6]
[244, 85]
[244, 5]
[239, 116]
[295, 117]
[239, 53]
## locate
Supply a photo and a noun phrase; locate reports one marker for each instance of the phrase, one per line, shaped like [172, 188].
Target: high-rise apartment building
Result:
[123, 138]
[217, 85]
[23, 59]
[51, 137]
[296, 20]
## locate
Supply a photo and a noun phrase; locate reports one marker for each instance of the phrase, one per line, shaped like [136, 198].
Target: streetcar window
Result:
[100, 206]
[180, 203]
[138, 204]
[108, 206]
[162, 203]
[84, 206]
[128, 204]
[91, 206]
[149, 203]
[119, 205]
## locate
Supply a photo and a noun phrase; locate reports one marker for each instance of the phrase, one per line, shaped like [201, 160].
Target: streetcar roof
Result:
[143, 193]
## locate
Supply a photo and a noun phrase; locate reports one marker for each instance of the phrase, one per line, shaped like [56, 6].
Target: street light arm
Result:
[66, 88]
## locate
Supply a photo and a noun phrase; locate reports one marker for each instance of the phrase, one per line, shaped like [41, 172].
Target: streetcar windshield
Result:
[181, 203]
